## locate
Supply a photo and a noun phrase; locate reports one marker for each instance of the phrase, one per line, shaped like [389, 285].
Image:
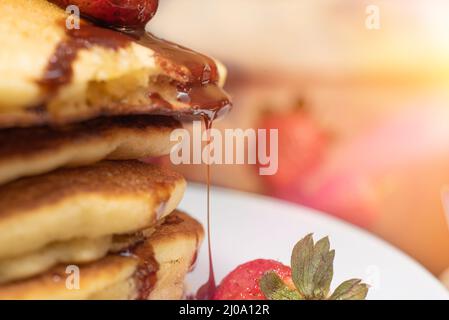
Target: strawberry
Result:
[243, 282]
[302, 146]
[309, 277]
[118, 13]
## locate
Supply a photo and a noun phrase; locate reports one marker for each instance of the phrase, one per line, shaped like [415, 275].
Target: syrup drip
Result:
[146, 273]
[184, 65]
[207, 290]
[194, 77]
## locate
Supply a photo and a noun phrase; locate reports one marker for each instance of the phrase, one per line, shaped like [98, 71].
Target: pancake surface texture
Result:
[154, 269]
[111, 197]
[54, 74]
[37, 150]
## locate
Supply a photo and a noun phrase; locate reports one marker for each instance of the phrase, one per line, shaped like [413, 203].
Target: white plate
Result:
[247, 227]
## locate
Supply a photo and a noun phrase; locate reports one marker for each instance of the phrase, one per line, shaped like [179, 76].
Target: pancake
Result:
[72, 251]
[32, 151]
[52, 74]
[154, 269]
[111, 197]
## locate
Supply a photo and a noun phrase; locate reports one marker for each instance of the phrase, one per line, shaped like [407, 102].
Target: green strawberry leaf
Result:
[275, 289]
[323, 262]
[352, 289]
[312, 271]
[312, 267]
[299, 262]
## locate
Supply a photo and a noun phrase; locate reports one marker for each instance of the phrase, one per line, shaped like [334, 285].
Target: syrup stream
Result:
[207, 290]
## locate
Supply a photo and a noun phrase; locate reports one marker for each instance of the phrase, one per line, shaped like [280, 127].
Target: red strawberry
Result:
[243, 282]
[120, 13]
[309, 278]
[302, 145]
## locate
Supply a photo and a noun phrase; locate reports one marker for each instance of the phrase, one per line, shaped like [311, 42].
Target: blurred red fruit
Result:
[365, 175]
[303, 153]
[302, 145]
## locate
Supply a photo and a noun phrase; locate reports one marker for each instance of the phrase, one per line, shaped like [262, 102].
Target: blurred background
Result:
[359, 91]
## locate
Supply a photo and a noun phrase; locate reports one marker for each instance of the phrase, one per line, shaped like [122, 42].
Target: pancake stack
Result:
[80, 216]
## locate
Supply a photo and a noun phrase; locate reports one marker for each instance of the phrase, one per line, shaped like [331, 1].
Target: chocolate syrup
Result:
[194, 77]
[184, 65]
[207, 290]
[59, 69]
[146, 275]
[147, 268]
